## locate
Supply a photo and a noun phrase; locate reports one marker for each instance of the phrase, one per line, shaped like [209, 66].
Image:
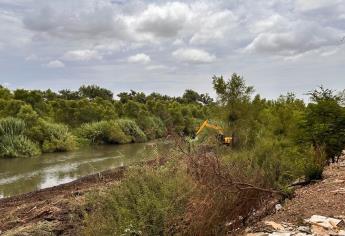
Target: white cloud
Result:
[156, 67]
[193, 55]
[104, 33]
[12, 32]
[32, 57]
[55, 64]
[310, 5]
[212, 25]
[297, 37]
[163, 21]
[82, 55]
[139, 58]
[329, 53]
[274, 23]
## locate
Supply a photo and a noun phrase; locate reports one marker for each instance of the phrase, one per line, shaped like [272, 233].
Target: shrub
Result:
[103, 132]
[53, 137]
[130, 128]
[27, 114]
[13, 143]
[145, 203]
[17, 146]
[152, 126]
[11, 126]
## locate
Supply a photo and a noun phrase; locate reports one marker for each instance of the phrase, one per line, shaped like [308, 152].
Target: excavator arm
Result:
[206, 124]
[226, 140]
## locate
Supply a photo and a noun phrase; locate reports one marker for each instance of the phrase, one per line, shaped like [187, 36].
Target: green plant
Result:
[13, 143]
[103, 132]
[147, 202]
[130, 128]
[17, 146]
[11, 126]
[53, 137]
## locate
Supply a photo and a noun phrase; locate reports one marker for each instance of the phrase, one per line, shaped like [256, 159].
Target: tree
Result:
[324, 122]
[94, 91]
[232, 91]
[234, 94]
[190, 96]
[205, 99]
[69, 95]
[5, 93]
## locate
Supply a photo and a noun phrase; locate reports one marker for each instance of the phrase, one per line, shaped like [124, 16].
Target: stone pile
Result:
[316, 225]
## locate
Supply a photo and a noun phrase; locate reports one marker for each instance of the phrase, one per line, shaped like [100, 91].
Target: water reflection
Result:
[28, 174]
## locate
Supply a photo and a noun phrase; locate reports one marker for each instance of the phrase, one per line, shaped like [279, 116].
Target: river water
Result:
[22, 175]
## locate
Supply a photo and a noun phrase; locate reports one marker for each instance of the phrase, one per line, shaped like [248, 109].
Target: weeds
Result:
[13, 143]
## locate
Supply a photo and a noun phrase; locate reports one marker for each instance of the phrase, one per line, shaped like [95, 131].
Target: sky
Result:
[278, 46]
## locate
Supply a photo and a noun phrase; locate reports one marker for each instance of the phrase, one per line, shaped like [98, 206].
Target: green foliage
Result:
[13, 143]
[77, 112]
[323, 124]
[152, 126]
[5, 93]
[17, 146]
[53, 137]
[147, 201]
[94, 91]
[11, 126]
[191, 96]
[130, 128]
[28, 115]
[103, 132]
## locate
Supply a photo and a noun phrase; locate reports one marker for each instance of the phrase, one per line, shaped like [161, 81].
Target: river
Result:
[22, 175]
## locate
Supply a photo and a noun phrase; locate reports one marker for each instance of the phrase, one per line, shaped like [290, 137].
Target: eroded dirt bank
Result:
[52, 211]
[323, 199]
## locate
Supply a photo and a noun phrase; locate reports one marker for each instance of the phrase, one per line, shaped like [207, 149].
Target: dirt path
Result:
[52, 211]
[325, 198]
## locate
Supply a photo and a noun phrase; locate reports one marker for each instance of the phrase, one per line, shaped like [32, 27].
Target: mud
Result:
[53, 211]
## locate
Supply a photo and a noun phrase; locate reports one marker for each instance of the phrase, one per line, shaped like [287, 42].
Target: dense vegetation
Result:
[204, 188]
[45, 121]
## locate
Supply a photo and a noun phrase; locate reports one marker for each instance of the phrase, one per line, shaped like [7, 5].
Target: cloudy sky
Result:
[168, 46]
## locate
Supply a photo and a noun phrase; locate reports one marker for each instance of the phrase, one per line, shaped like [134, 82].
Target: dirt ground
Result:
[326, 197]
[52, 211]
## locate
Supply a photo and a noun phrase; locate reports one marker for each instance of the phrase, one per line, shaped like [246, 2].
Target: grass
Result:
[13, 143]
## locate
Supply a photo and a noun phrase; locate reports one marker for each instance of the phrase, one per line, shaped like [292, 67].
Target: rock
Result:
[304, 229]
[326, 222]
[318, 230]
[278, 207]
[280, 234]
[341, 233]
[274, 225]
[257, 234]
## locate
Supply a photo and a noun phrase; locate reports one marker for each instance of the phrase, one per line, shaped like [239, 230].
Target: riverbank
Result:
[53, 211]
[321, 200]
[60, 210]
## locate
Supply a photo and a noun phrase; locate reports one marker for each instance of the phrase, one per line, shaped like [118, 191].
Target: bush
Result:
[152, 126]
[130, 128]
[11, 126]
[12, 141]
[53, 137]
[17, 146]
[145, 203]
[102, 132]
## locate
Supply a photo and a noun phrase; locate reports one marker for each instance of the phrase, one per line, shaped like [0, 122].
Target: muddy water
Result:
[23, 175]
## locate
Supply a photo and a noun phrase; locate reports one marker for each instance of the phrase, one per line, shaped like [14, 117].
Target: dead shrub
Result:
[228, 194]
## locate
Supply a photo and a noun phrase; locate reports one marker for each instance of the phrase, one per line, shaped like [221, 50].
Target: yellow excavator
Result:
[224, 139]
